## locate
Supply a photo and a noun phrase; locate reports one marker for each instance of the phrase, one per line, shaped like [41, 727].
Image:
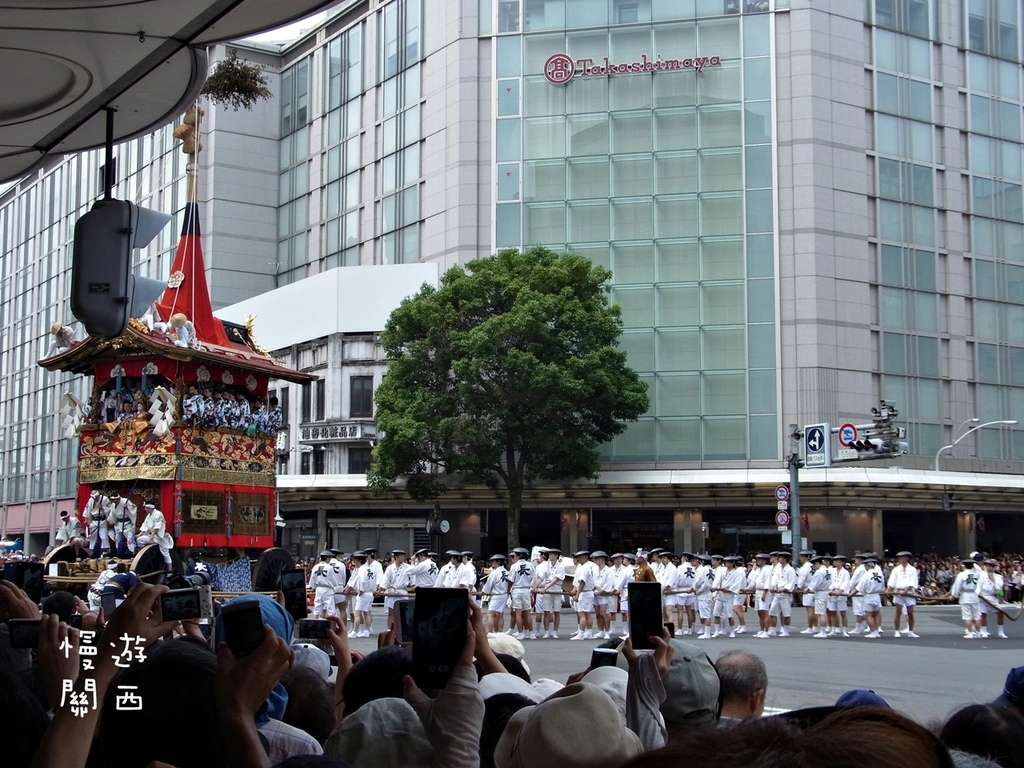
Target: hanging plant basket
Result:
[236, 83]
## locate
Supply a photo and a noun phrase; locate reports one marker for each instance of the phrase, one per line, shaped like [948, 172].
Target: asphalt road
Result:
[926, 678]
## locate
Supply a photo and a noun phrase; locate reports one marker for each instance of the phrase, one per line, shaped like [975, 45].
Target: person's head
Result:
[176, 686]
[987, 730]
[467, 556]
[454, 556]
[761, 559]
[582, 556]
[61, 603]
[310, 702]
[378, 675]
[692, 690]
[498, 709]
[744, 680]
[497, 561]
[399, 555]
[554, 555]
[805, 555]
[326, 555]
[601, 558]
[903, 558]
[1013, 691]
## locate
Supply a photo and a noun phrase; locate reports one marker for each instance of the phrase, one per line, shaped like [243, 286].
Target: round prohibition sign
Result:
[782, 493]
[559, 68]
[847, 435]
[782, 518]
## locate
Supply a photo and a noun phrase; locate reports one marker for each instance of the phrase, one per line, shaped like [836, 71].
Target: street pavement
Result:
[926, 678]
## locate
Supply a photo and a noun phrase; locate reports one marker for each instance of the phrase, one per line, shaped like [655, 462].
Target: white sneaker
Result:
[716, 633]
[554, 635]
[762, 635]
[772, 632]
[807, 631]
[874, 634]
[532, 636]
[912, 634]
[819, 635]
[703, 637]
[679, 633]
[855, 631]
[577, 636]
[968, 635]
[732, 634]
[511, 631]
[845, 633]
[588, 635]
[983, 633]
[687, 631]
[1001, 634]
[784, 633]
[897, 633]
[741, 630]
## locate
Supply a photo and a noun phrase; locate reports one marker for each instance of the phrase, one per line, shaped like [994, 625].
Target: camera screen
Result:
[645, 619]
[313, 629]
[404, 611]
[180, 605]
[293, 586]
[439, 634]
[24, 633]
[26, 576]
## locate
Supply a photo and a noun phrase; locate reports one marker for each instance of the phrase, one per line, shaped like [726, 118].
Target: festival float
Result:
[177, 417]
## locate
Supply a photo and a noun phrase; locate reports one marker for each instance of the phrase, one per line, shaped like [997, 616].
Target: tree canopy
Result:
[507, 373]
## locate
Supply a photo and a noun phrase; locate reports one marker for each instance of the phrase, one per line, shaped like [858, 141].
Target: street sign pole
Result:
[794, 487]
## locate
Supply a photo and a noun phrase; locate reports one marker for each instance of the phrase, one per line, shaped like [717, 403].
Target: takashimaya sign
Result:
[560, 68]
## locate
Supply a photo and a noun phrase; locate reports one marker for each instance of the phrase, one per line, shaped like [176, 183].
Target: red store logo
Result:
[560, 68]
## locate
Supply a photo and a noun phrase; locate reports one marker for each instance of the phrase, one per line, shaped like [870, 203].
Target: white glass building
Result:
[806, 208]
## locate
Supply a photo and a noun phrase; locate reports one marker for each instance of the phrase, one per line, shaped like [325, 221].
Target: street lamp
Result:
[965, 434]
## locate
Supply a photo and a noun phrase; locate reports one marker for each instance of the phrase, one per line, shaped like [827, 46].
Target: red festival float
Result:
[178, 417]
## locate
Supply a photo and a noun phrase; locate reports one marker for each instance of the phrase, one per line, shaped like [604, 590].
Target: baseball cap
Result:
[692, 687]
[1013, 690]
[861, 698]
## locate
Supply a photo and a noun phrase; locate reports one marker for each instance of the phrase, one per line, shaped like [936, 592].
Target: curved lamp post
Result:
[965, 434]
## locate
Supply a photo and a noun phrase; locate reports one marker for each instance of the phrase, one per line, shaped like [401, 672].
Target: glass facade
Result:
[665, 177]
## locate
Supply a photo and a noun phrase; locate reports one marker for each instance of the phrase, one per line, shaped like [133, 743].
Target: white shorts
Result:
[585, 602]
[704, 605]
[763, 603]
[498, 603]
[688, 601]
[858, 605]
[820, 603]
[740, 600]
[521, 600]
[782, 605]
[983, 607]
[613, 604]
[601, 600]
[970, 611]
[389, 602]
[364, 601]
[722, 608]
[905, 600]
[872, 603]
[807, 600]
[550, 601]
[323, 600]
[340, 599]
[836, 603]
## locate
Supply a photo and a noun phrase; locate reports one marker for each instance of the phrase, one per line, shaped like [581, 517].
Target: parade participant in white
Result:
[762, 576]
[70, 532]
[611, 587]
[871, 586]
[95, 596]
[666, 576]
[733, 583]
[627, 575]
[496, 589]
[782, 586]
[154, 531]
[521, 574]
[339, 577]
[903, 586]
[97, 510]
[466, 575]
[836, 604]
[721, 606]
[856, 598]
[368, 576]
[321, 581]
[990, 592]
[739, 600]
[423, 571]
[394, 582]
[601, 597]
[702, 581]
[583, 590]
[686, 601]
[121, 522]
[819, 584]
[803, 575]
[965, 589]
[448, 576]
[550, 595]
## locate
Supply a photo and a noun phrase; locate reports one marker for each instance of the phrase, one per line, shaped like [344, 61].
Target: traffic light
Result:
[947, 502]
[870, 445]
[104, 292]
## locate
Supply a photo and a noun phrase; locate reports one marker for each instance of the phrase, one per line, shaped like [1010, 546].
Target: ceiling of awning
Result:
[63, 62]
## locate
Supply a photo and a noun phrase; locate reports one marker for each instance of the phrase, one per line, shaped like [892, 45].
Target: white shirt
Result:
[903, 577]
[423, 573]
[322, 576]
[585, 576]
[521, 573]
[496, 583]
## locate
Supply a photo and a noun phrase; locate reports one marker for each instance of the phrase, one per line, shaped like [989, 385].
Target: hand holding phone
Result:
[603, 657]
[645, 613]
[242, 622]
[404, 622]
[293, 586]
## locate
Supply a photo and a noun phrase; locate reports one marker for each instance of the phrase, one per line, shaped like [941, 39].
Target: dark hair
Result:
[378, 675]
[23, 720]
[310, 702]
[61, 603]
[176, 686]
[988, 730]
[498, 710]
[847, 738]
[511, 664]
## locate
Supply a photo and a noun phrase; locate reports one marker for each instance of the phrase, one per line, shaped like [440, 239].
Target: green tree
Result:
[507, 373]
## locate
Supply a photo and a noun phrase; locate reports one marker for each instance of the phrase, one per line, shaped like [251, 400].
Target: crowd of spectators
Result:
[132, 689]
